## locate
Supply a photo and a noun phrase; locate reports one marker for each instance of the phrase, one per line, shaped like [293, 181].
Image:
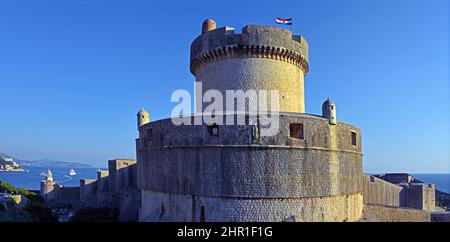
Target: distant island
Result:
[9, 163]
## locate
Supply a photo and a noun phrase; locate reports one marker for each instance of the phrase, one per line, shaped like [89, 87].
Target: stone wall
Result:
[88, 192]
[122, 175]
[379, 192]
[128, 204]
[378, 213]
[47, 190]
[102, 181]
[169, 207]
[188, 160]
[420, 196]
[68, 196]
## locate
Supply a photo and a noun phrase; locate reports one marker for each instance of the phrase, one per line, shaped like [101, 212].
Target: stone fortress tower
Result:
[310, 171]
[47, 185]
[261, 58]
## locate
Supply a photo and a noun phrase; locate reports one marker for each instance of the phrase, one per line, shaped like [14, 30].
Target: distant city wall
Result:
[88, 190]
[420, 196]
[378, 213]
[68, 195]
[115, 188]
[120, 178]
[380, 192]
[412, 195]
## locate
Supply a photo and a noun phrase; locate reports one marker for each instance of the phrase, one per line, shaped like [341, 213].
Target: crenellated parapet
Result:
[235, 51]
[255, 42]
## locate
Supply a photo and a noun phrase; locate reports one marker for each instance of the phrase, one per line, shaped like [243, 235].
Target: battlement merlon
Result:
[254, 41]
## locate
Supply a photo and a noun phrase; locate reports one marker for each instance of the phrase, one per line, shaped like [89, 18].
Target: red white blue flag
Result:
[287, 21]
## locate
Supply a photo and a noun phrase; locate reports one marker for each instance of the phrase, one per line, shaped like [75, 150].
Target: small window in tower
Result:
[296, 130]
[213, 130]
[354, 138]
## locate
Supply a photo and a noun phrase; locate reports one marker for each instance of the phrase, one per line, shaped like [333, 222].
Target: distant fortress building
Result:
[311, 170]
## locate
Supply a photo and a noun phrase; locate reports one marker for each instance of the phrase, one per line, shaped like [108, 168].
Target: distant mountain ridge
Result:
[46, 162]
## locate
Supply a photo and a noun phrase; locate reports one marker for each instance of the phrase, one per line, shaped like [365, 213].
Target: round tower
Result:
[329, 111]
[143, 117]
[260, 58]
[47, 185]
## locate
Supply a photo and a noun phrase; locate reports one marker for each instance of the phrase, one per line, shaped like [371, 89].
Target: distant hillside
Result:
[46, 162]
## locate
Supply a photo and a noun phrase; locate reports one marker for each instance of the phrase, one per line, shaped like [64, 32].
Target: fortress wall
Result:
[176, 207]
[317, 134]
[252, 172]
[256, 74]
[430, 197]
[128, 205]
[88, 192]
[122, 175]
[48, 190]
[324, 163]
[106, 199]
[380, 192]
[377, 213]
[103, 181]
[183, 166]
[420, 196]
[68, 195]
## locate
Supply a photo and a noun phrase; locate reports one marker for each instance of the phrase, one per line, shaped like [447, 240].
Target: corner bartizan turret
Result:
[143, 118]
[208, 25]
[329, 111]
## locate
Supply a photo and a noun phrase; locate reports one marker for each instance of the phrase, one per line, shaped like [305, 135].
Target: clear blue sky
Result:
[73, 74]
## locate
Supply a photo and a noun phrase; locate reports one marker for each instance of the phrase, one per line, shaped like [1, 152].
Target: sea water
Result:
[31, 180]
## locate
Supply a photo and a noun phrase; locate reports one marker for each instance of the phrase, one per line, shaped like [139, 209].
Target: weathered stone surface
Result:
[379, 192]
[168, 207]
[420, 196]
[323, 169]
[378, 213]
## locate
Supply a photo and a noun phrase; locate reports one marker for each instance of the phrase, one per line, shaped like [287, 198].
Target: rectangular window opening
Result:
[296, 131]
[354, 138]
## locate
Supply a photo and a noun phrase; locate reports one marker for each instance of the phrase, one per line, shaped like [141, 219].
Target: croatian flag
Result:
[287, 21]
